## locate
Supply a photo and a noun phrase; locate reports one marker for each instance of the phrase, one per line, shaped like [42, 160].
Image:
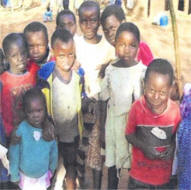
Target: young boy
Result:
[92, 51]
[63, 96]
[37, 39]
[151, 129]
[111, 19]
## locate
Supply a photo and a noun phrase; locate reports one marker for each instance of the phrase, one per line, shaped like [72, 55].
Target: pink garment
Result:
[29, 183]
[144, 54]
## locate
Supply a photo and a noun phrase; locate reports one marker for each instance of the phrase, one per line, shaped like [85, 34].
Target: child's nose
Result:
[127, 49]
[156, 95]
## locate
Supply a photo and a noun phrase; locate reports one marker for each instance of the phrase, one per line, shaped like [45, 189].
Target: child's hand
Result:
[151, 152]
[167, 154]
[5, 162]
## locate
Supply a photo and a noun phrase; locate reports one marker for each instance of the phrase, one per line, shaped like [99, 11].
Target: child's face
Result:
[17, 57]
[157, 91]
[89, 23]
[110, 28]
[35, 112]
[67, 22]
[126, 47]
[37, 44]
[64, 54]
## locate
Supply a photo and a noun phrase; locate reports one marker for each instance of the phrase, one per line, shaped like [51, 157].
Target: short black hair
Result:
[129, 27]
[161, 66]
[89, 4]
[62, 35]
[62, 13]
[36, 27]
[115, 10]
[11, 39]
[48, 132]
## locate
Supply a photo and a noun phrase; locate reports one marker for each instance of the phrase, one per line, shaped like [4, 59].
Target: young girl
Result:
[121, 86]
[184, 143]
[15, 81]
[33, 150]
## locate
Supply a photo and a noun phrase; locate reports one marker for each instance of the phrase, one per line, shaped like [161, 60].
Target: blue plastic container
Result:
[164, 20]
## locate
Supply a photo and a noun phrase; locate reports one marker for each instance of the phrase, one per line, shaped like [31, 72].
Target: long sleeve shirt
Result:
[32, 155]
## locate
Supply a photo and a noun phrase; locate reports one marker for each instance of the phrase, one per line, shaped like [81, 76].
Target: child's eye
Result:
[133, 45]
[163, 93]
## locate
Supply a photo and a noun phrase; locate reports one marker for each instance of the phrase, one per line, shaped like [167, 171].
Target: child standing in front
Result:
[151, 129]
[33, 150]
[121, 85]
[61, 86]
[15, 81]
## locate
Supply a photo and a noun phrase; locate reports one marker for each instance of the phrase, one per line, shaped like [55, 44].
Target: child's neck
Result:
[95, 40]
[17, 73]
[123, 63]
[66, 75]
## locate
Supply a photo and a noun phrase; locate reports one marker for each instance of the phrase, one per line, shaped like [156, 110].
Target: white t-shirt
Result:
[91, 57]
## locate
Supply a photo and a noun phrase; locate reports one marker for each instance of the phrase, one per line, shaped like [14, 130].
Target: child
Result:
[151, 129]
[63, 95]
[111, 19]
[92, 51]
[184, 141]
[47, 17]
[37, 39]
[15, 81]
[33, 151]
[66, 20]
[121, 86]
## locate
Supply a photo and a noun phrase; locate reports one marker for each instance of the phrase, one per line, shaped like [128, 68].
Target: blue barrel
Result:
[164, 20]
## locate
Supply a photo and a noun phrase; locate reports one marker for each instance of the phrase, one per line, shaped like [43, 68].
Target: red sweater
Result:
[12, 88]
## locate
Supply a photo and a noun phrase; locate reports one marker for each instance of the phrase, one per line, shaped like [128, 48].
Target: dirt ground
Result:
[160, 40]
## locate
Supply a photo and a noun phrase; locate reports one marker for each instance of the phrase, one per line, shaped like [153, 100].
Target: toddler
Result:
[33, 152]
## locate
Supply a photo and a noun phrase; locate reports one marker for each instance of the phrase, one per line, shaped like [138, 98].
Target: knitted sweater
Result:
[33, 155]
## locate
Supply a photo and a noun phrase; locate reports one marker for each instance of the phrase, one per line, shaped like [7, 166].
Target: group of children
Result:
[63, 105]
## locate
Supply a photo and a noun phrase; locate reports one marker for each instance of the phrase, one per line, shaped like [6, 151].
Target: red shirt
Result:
[13, 87]
[142, 122]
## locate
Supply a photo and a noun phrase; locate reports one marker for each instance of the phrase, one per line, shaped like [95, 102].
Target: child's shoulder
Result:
[46, 70]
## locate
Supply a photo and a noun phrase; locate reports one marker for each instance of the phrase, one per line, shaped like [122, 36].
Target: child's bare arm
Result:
[149, 151]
